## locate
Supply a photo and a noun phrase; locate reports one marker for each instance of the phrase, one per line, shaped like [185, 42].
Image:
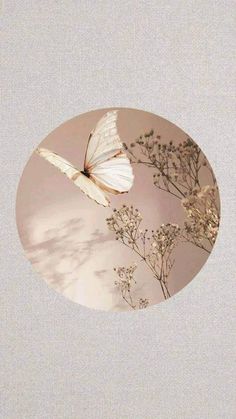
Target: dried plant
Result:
[124, 284]
[203, 217]
[178, 170]
[177, 167]
[154, 249]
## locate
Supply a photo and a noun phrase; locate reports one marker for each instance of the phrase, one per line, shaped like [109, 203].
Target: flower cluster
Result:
[203, 217]
[126, 277]
[164, 239]
[125, 223]
[177, 167]
[163, 242]
[153, 248]
[124, 284]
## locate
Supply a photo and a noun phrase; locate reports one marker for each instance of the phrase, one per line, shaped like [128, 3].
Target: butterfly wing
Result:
[92, 190]
[114, 175]
[105, 159]
[79, 179]
[104, 141]
[59, 162]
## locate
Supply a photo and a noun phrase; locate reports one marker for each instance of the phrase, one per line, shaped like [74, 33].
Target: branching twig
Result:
[178, 170]
[155, 249]
[177, 167]
[125, 283]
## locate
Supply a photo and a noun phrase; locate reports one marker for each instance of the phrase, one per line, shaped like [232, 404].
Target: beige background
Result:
[175, 360]
[65, 235]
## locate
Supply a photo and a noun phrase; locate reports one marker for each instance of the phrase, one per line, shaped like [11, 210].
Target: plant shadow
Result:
[61, 252]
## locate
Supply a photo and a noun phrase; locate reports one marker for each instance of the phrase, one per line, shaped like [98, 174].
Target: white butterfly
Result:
[106, 166]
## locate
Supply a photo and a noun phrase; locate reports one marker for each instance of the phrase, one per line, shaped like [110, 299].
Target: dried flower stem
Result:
[177, 167]
[124, 284]
[155, 249]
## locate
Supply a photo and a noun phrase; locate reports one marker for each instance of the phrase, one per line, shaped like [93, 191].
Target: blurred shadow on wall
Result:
[61, 253]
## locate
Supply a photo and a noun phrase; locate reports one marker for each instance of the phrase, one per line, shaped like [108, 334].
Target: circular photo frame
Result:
[118, 209]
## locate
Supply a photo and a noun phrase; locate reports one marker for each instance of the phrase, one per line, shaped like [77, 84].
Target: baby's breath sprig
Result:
[163, 242]
[178, 170]
[203, 217]
[177, 167]
[154, 248]
[125, 223]
[125, 283]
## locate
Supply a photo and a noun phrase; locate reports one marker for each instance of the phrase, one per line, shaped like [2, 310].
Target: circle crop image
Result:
[118, 209]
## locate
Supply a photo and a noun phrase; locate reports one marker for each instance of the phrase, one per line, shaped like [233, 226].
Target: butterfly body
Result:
[85, 173]
[107, 169]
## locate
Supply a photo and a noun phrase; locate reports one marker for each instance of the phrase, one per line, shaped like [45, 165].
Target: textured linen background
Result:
[61, 360]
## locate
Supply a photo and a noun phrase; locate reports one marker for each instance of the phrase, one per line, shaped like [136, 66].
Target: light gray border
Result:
[60, 360]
